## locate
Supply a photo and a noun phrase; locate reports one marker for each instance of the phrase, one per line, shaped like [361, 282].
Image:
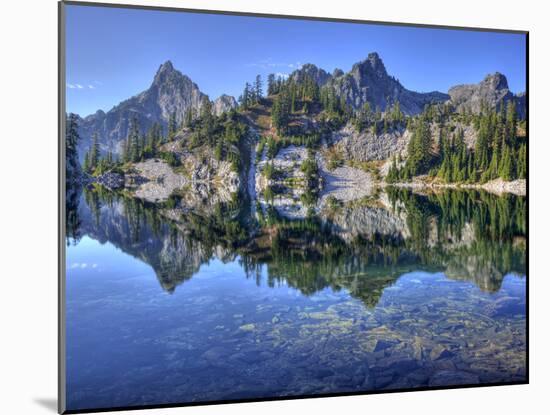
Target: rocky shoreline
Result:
[498, 186]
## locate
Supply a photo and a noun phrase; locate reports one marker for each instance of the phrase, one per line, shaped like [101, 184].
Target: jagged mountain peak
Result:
[166, 67]
[368, 81]
[171, 92]
[337, 72]
[493, 91]
[166, 72]
[373, 63]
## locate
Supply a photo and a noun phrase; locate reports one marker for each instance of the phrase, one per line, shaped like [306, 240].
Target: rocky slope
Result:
[366, 146]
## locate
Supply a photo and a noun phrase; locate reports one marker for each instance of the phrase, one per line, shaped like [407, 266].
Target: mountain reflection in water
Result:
[469, 235]
[398, 290]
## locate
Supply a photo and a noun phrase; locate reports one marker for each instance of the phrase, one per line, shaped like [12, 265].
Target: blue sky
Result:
[113, 54]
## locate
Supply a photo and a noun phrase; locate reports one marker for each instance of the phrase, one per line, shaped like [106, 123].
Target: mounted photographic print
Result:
[260, 207]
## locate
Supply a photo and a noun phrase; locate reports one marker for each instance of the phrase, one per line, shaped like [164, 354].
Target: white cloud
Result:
[83, 265]
[82, 86]
[296, 65]
[268, 63]
[282, 75]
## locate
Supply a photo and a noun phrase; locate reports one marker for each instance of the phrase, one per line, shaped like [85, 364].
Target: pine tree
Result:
[396, 114]
[94, 152]
[134, 151]
[172, 126]
[280, 113]
[71, 136]
[258, 88]
[511, 120]
[522, 162]
[419, 148]
[393, 172]
[206, 110]
[493, 170]
[506, 170]
[246, 98]
[271, 84]
[86, 164]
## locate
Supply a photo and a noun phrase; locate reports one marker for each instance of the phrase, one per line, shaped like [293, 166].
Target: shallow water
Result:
[159, 313]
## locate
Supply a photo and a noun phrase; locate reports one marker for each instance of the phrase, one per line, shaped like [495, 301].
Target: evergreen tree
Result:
[172, 126]
[86, 164]
[280, 113]
[506, 170]
[511, 120]
[134, 151]
[258, 88]
[393, 172]
[93, 158]
[271, 84]
[522, 162]
[396, 114]
[419, 149]
[206, 110]
[246, 98]
[71, 136]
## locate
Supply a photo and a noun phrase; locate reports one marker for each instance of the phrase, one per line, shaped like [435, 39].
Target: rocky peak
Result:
[492, 90]
[369, 82]
[164, 71]
[171, 92]
[320, 76]
[337, 72]
[373, 64]
[495, 81]
[224, 103]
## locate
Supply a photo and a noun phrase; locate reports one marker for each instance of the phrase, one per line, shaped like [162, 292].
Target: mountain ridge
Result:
[172, 92]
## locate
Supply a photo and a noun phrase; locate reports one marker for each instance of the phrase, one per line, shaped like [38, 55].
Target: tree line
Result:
[499, 151]
[221, 133]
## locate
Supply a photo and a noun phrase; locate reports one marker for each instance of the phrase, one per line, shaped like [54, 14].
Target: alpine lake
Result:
[401, 290]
